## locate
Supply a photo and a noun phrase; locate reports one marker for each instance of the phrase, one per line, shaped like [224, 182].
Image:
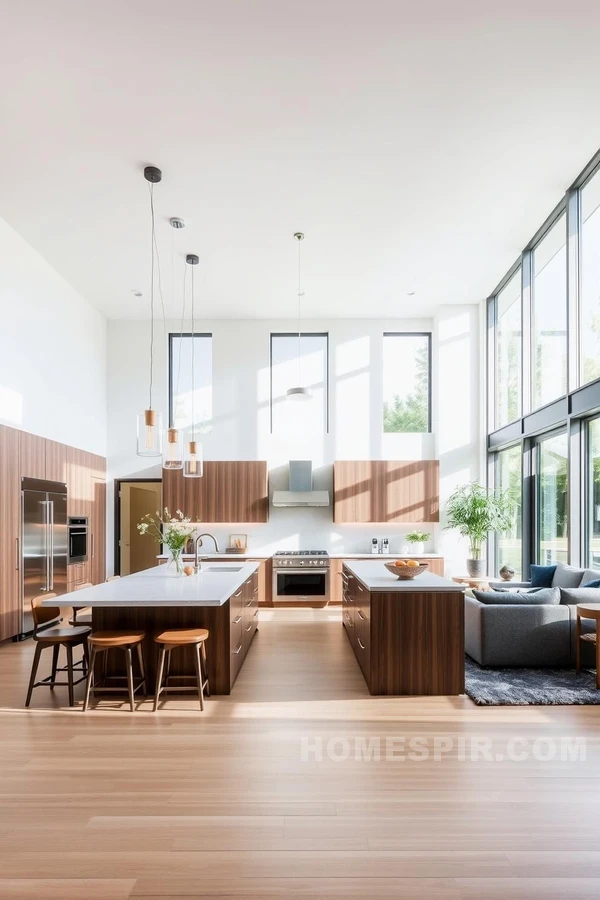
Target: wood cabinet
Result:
[409, 643]
[435, 565]
[10, 519]
[386, 491]
[32, 455]
[97, 533]
[229, 491]
[56, 461]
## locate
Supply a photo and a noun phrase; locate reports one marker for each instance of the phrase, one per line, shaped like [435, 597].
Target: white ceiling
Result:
[418, 145]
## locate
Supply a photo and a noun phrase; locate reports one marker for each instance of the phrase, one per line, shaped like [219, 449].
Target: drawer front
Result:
[78, 573]
[236, 604]
[362, 647]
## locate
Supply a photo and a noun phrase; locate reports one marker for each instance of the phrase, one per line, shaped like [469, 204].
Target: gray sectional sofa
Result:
[530, 633]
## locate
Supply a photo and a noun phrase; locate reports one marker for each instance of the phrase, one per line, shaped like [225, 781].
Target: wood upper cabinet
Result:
[97, 550]
[229, 491]
[10, 527]
[386, 491]
[56, 461]
[32, 455]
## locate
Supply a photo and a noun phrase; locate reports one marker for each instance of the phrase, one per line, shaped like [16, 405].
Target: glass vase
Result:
[175, 564]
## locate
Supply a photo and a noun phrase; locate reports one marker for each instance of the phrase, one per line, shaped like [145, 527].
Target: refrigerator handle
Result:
[93, 546]
[18, 555]
[51, 553]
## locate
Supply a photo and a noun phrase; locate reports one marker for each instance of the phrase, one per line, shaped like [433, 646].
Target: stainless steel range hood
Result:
[300, 492]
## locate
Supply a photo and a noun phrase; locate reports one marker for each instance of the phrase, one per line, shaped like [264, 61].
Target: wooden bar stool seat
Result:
[56, 638]
[102, 642]
[167, 642]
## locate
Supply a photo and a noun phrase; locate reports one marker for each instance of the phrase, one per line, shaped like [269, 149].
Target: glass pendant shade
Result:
[298, 394]
[149, 433]
[192, 462]
[173, 455]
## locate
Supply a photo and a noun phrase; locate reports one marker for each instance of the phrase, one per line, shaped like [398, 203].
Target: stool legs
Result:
[88, 681]
[203, 652]
[199, 676]
[55, 651]
[159, 674]
[163, 667]
[34, 668]
[131, 689]
[70, 674]
[130, 677]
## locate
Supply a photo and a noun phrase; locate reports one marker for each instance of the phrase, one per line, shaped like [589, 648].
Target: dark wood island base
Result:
[407, 643]
[232, 627]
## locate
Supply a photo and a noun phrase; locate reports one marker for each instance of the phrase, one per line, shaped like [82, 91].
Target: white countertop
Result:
[386, 556]
[223, 555]
[159, 587]
[376, 577]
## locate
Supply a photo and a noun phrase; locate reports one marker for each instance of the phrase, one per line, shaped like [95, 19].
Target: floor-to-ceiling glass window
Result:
[589, 303]
[549, 315]
[507, 477]
[508, 352]
[552, 499]
[593, 493]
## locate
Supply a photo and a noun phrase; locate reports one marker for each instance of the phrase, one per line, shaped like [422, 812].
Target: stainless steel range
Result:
[301, 575]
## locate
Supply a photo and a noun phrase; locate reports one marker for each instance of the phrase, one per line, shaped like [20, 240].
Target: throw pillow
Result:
[567, 576]
[539, 597]
[541, 576]
[589, 575]
[592, 584]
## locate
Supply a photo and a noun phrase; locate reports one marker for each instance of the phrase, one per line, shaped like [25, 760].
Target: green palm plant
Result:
[474, 511]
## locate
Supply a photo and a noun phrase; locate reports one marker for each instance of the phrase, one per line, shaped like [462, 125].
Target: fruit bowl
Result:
[406, 573]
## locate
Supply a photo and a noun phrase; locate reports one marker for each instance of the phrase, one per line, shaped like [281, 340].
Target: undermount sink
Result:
[222, 569]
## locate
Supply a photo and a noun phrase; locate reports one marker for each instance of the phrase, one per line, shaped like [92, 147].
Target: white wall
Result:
[52, 351]
[241, 415]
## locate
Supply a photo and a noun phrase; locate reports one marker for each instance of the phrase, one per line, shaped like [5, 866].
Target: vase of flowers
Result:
[416, 541]
[172, 531]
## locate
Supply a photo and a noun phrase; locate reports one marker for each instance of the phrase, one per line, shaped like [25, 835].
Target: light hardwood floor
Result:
[183, 804]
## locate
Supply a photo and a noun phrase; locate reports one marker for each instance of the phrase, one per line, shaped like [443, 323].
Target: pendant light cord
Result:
[193, 359]
[153, 245]
[181, 330]
[299, 301]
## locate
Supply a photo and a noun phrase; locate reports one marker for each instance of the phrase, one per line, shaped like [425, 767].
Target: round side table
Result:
[480, 584]
[588, 611]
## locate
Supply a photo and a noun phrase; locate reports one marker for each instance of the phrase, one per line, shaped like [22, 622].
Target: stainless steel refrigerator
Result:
[44, 542]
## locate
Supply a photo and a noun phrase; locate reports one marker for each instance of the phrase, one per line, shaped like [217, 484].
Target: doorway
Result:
[134, 499]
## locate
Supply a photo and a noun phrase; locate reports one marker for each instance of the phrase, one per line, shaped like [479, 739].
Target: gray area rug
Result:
[524, 687]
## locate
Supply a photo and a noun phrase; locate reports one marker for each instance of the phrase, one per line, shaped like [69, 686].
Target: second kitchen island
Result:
[222, 597]
[408, 636]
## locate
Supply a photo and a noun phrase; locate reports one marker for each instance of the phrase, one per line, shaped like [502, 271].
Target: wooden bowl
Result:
[406, 573]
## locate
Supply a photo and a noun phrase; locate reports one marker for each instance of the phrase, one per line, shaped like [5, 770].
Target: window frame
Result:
[184, 334]
[536, 458]
[425, 334]
[294, 334]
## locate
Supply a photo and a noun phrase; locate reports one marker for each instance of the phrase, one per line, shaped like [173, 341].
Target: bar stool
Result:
[102, 642]
[167, 642]
[82, 615]
[56, 638]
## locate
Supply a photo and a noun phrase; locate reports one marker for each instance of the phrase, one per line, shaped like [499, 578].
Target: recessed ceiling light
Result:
[136, 293]
[410, 293]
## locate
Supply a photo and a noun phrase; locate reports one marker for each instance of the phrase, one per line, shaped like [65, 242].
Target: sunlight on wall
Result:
[11, 406]
[350, 385]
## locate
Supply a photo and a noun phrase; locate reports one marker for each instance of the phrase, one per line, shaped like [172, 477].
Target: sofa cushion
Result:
[536, 597]
[541, 576]
[567, 576]
[571, 596]
[592, 584]
[589, 575]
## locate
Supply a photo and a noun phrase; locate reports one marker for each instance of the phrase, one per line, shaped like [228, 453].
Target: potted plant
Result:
[173, 532]
[474, 512]
[417, 540]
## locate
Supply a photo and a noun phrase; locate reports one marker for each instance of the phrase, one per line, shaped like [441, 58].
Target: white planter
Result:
[416, 549]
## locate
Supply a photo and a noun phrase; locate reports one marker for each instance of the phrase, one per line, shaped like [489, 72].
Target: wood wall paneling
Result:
[10, 519]
[386, 491]
[56, 461]
[97, 549]
[32, 455]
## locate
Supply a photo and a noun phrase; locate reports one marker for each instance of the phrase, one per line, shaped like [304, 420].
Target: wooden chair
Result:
[56, 638]
[170, 640]
[82, 615]
[102, 642]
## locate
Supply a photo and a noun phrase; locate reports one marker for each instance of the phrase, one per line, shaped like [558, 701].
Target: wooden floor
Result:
[182, 804]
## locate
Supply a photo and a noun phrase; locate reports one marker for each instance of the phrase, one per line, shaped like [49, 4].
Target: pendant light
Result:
[192, 460]
[173, 455]
[149, 423]
[299, 393]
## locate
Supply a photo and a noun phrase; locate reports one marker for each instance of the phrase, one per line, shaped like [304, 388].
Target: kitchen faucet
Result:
[198, 543]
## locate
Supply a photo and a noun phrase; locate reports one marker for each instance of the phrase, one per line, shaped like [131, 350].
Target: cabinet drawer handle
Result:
[255, 616]
[249, 603]
[255, 590]
[362, 646]
[351, 624]
[235, 652]
[249, 628]
[360, 612]
[239, 594]
[360, 589]
[237, 620]
[249, 581]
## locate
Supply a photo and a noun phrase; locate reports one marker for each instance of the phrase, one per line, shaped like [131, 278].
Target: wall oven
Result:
[78, 539]
[301, 576]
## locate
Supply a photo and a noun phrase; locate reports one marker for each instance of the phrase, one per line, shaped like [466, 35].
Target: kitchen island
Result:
[222, 597]
[408, 636]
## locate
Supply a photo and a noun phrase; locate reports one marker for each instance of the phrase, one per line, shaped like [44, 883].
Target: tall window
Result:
[507, 477]
[187, 351]
[593, 493]
[551, 499]
[300, 362]
[406, 382]
[508, 352]
[549, 364]
[590, 280]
